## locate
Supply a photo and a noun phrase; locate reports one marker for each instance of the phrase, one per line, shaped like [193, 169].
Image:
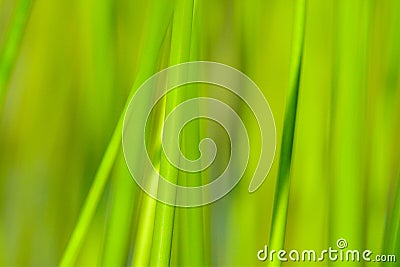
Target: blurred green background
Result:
[67, 69]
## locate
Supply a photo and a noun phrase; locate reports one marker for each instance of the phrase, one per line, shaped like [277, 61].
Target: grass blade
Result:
[165, 214]
[149, 62]
[347, 151]
[10, 50]
[278, 225]
[190, 226]
[93, 198]
[392, 233]
[123, 211]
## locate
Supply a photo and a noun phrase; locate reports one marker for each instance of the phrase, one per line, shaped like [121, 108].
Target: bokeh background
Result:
[67, 69]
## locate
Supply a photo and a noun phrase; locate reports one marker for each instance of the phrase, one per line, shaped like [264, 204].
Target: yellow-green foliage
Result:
[329, 69]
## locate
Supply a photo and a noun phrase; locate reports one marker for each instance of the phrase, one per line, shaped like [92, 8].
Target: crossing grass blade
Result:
[156, 33]
[189, 227]
[181, 41]
[66, 70]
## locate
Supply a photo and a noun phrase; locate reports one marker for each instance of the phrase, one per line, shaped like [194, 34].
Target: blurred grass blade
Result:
[391, 111]
[123, 211]
[165, 214]
[190, 224]
[348, 148]
[278, 225]
[93, 198]
[396, 223]
[9, 52]
[156, 33]
[392, 233]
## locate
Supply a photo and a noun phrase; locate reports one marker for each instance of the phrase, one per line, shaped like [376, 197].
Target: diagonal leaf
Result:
[278, 225]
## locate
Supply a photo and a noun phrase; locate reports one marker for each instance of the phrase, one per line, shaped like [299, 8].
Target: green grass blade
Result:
[165, 214]
[348, 147]
[149, 62]
[390, 111]
[122, 212]
[12, 44]
[278, 225]
[392, 233]
[93, 198]
[190, 227]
